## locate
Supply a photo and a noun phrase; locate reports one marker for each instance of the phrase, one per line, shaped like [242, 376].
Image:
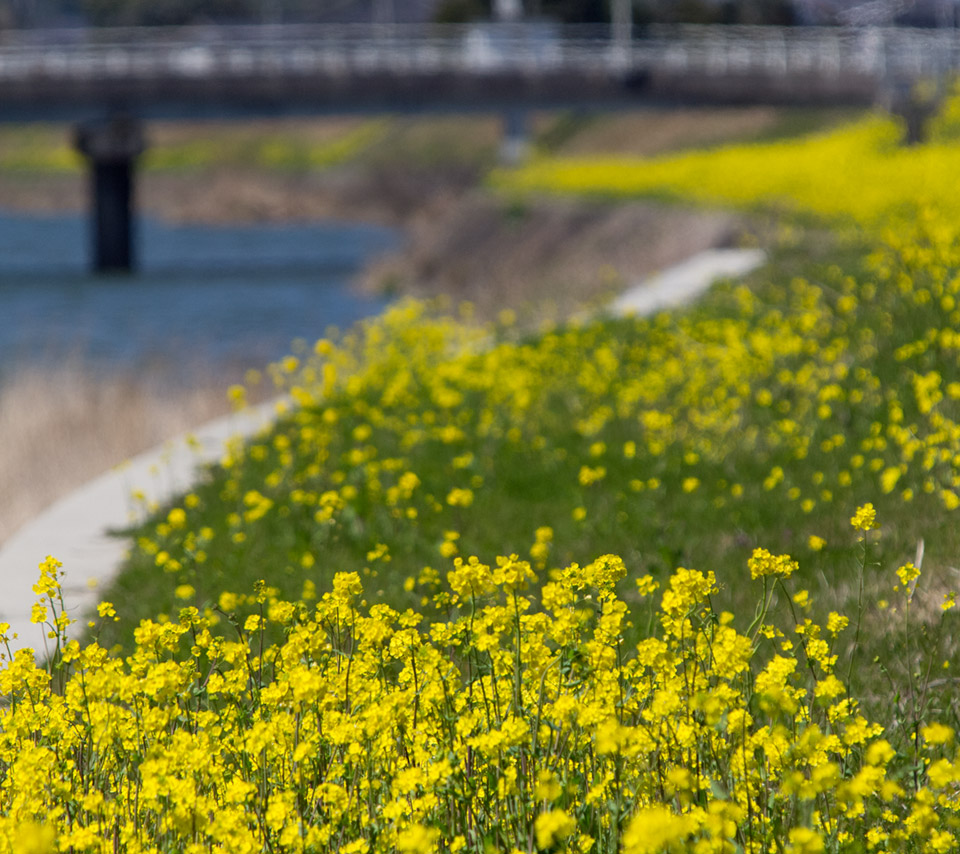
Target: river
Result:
[209, 298]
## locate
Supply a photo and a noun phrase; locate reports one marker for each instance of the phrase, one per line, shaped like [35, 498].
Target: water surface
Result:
[216, 299]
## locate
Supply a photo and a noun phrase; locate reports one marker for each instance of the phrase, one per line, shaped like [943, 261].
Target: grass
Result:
[323, 615]
[767, 703]
[291, 146]
[662, 441]
[704, 494]
[464, 141]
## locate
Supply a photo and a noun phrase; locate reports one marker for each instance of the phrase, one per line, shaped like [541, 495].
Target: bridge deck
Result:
[270, 69]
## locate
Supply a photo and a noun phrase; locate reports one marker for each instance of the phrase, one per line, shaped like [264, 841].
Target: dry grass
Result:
[646, 132]
[60, 427]
[546, 257]
[253, 132]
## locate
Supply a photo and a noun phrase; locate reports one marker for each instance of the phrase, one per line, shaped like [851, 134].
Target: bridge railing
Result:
[239, 51]
[831, 51]
[286, 50]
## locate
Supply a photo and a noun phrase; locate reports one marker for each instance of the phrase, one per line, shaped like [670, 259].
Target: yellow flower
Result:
[646, 585]
[937, 733]
[177, 518]
[865, 518]
[656, 829]
[889, 478]
[106, 609]
[763, 563]
[553, 826]
[907, 573]
[836, 623]
[418, 839]
[589, 476]
[460, 497]
[803, 840]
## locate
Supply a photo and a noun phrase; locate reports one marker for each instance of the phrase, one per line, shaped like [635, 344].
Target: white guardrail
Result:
[302, 50]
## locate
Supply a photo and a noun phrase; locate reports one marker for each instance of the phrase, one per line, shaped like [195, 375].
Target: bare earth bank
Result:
[61, 427]
[237, 196]
[544, 257]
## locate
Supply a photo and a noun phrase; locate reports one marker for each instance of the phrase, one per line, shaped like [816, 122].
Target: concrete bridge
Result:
[189, 71]
[110, 81]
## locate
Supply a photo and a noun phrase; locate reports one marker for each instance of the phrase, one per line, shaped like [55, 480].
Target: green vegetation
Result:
[418, 613]
[37, 148]
[469, 142]
[762, 416]
[294, 148]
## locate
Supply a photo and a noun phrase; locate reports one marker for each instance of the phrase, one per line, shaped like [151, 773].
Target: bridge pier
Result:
[914, 105]
[111, 148]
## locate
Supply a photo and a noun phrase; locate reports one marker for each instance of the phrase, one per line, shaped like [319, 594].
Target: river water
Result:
[212, 299]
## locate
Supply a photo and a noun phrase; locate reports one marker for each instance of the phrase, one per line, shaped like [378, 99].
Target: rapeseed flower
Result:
[865, 518]
[762, 563]
[527, 703]
[425, 733]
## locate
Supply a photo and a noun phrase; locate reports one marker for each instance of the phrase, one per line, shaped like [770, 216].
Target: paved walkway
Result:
[686, 280]
[76, 529]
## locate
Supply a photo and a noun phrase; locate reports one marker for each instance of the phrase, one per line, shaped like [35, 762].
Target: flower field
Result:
[649, 584]
[858, 172]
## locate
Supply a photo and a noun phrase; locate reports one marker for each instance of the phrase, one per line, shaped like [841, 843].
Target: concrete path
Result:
[687, 280]
[75, 529]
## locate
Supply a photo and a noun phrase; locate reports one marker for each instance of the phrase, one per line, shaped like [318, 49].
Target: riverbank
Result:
[545, 258]
[462, 241]
[77, 527]
[424, 175]
[60, 427]
[247, 196]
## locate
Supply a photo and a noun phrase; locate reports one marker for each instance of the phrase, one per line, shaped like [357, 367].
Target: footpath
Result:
[81, 529]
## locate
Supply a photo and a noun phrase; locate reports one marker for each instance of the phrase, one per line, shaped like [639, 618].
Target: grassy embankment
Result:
[686, 439]
[303, 145]
[511, 706]
[61, 426]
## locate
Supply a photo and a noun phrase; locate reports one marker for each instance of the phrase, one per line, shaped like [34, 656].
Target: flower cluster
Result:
[857, 172]
[782, 401]
[763, 563]
[516, 722]
[388, 690]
